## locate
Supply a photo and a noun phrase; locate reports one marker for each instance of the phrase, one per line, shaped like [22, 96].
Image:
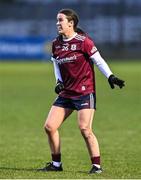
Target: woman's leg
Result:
[85, 119]
[54, 120]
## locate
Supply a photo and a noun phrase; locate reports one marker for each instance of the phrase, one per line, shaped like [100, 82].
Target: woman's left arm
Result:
[104, 68]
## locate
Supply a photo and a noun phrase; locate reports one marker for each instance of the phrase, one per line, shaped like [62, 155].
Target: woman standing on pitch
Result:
[73, 56]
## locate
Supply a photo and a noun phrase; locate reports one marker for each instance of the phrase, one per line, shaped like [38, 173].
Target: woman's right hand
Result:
[59, 87]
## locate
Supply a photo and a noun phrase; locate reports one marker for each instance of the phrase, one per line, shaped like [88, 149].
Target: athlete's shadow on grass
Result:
[33, 170]
[83, 172]
[18, 169]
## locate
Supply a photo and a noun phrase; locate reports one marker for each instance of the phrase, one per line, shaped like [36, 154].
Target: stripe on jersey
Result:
[91, 101]
[80, 37]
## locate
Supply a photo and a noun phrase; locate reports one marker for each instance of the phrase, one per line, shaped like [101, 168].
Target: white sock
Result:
[56, 164]
[97, 165]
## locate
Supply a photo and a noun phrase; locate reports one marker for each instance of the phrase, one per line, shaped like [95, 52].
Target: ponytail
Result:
[80, 31]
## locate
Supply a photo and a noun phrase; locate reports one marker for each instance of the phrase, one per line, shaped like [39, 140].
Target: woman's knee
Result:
[49, 129]
[86, 132]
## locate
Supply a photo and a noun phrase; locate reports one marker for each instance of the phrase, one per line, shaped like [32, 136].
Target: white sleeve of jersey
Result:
[56, 70]
[101, 64]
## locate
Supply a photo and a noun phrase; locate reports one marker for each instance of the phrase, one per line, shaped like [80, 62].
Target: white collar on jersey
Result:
[69, 38]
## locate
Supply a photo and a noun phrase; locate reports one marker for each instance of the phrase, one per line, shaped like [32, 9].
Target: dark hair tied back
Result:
[80, 31]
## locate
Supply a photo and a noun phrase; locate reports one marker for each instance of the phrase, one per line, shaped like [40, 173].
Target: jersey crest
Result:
[73, 47]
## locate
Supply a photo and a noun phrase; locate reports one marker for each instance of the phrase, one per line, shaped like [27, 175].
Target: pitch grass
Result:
[26, 95]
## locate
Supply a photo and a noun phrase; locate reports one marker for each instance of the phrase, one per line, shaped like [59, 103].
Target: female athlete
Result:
[73, 55]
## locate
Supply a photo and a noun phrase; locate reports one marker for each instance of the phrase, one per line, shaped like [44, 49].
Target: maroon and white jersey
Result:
[76, 67]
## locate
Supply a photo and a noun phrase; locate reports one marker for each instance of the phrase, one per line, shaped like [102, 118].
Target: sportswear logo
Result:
[94, 49]
[57, 47]
[83, 88]
[84, 104]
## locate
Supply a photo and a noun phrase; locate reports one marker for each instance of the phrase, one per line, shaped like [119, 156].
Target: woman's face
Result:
[63, 25]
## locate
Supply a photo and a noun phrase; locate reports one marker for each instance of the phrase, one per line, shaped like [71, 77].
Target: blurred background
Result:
[27, 27]
[27, 82]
